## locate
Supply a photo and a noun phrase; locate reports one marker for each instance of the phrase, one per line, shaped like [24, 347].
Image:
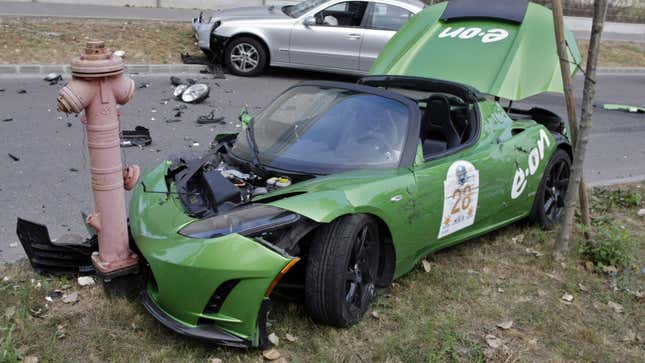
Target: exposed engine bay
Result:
[217, 182]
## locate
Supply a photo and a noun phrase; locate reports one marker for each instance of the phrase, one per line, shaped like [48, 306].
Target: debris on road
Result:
[641, 213]
[170, 121]
[567, 298]
[196, 93]
[624, 108]
[13, 157]
[291, 338]
[9, 119]
[53, 295]
[144, 85]
[175, 81]
[22, 91]
[140, 136]
[53, 78]
[210, 119]
[271, 354]
[493, 341]
[505, 325]
[70, 298]
[273, 338]
[427, 266]
[616, 307]
[179, 90]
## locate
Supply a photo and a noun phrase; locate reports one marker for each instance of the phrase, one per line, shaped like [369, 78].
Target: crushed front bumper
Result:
[211, 289]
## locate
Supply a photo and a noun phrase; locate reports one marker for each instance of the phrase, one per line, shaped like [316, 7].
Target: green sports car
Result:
[335, 189]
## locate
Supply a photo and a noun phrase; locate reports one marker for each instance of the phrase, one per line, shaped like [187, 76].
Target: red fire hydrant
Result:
[96, 87]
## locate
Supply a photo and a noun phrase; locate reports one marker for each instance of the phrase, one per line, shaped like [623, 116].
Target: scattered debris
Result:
[173, 120]
[53, 78]
[533, 252]
[215, 360]
[119, 53]
[144, 85]
[567, 298]
[427, 266]
[179, 90]
[273, 338]
[140, 136]
[6, 279]
[22, 91]
[624, 108]
[70, 298]
[641, 213]
[211, 66]
[616, 307]
[73, 170]
[493, 341]
[13, 157]
[518, 239]
[9, 119]
[11, 311]
[196, 93]
[210, 119]
[30, 359]
[582, 287]
[86, 281]
[291, 338]
[60, 331]
[271, 354]
[54, 295]
[175, 81]
[376, 315]
[505, 325]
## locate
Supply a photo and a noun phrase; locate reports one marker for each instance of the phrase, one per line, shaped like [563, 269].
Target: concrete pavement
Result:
[581, 27]
[50, 182]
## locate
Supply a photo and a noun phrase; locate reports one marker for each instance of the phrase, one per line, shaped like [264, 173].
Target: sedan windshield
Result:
[299, 9]
[313, 129]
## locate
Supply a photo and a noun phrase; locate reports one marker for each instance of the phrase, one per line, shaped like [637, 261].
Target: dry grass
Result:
[443, 315]
[56, 41]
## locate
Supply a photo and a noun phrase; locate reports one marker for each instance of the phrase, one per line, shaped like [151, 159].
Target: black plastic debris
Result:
[210, 119]
[174, 120]
[22, 91]
[13, 157]
[69, 124]
[175, 81]
[73, 170]
[47, 256]
[53, 78]
[144, 85]
[9, 119]
[140, 136]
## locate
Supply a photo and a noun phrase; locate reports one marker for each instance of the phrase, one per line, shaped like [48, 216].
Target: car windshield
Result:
[321, 130]
[299, 9]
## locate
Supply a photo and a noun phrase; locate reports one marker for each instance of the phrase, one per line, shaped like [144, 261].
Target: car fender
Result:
[274, 39]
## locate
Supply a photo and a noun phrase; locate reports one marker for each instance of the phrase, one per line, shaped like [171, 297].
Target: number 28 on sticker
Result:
[460, 193]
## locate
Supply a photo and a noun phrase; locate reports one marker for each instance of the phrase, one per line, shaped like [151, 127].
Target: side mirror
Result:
[309, 21]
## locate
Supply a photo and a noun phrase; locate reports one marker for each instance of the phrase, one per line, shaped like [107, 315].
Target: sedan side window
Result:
[387, 17]
[345, 14]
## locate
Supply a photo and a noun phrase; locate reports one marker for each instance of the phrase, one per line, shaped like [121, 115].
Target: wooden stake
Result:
[563, 54]
[582, 136]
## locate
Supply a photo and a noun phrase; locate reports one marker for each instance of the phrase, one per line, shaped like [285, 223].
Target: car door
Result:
[382, 21]
[334, 41]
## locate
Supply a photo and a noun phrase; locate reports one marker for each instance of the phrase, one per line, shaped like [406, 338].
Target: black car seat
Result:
[437, 130]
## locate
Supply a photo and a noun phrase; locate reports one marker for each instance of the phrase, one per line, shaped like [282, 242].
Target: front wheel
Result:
[549, 200]
[342, 270]
[245, 57]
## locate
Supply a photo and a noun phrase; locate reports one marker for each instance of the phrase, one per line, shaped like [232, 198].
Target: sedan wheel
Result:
[342, 269]
[245, 57]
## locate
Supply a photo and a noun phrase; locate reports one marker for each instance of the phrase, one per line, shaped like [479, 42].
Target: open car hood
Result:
[504, 48]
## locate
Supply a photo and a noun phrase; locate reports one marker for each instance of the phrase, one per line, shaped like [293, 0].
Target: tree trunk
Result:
[582, 137]
[565, 70]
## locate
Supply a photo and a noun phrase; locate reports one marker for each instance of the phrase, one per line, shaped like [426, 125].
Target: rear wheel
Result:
[342, 270]
[549, 200]
[245, 56]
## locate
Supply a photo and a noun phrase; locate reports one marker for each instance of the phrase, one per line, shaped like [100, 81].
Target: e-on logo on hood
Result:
[487, 36]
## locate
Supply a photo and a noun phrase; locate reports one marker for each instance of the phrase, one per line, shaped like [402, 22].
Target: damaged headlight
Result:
[245, 221]
[195, 93]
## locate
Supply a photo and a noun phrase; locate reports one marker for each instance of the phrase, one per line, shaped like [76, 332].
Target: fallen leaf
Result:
[273, 338]
[582, 287]
[641, 212]
[6, 279]
[500, 290]
[376, 315]
[505, 325]
[589, 265]
[86, 281]
[271, 354]
[533, 252]
[10, 312]
[610, 269]
[493, 341]
[70, 298]
[291, 338]
[30, 359]
[427, 266]
[215, 360]
[568, 298]
[616, 307]
[518, 239]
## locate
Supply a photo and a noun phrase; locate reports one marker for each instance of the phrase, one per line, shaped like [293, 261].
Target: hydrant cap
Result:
[96, 61]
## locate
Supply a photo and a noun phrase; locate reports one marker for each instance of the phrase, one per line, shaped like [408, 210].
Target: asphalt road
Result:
[50, 183]
[580, 26]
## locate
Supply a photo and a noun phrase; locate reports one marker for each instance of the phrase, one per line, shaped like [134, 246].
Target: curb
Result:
[42, 69]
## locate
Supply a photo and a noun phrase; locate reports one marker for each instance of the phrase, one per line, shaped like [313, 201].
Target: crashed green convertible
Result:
[336, 189]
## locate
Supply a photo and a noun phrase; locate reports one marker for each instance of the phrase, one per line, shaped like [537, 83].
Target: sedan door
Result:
[382, 21]
[334, 41]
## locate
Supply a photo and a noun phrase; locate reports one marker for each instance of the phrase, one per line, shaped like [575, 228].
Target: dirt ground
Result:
[496, 298]
[57, 41]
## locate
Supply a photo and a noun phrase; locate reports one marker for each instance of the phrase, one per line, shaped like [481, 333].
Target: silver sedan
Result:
[330, 35]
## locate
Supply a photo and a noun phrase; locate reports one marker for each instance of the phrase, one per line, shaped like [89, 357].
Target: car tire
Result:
[341, 270]
[245, 57]
[548, 206]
